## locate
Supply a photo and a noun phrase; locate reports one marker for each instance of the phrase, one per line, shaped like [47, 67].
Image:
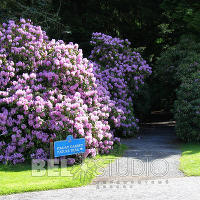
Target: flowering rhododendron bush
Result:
[47, 90]
[121, 71]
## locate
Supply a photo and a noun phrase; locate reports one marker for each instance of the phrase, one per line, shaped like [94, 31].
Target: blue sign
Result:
[69, 146]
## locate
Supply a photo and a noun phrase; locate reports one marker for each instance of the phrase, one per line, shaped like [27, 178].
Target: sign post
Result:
[51, 149]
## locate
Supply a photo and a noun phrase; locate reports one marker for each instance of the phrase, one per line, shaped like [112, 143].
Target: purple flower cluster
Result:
[121, 72]
[48, 90]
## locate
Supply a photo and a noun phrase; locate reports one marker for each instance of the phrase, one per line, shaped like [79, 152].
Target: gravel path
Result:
[148, 170]
[155, 154]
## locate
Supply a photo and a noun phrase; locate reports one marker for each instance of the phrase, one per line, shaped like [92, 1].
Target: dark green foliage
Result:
[187, 105]
[183, 15]
[179, 72]
[172, 66]
[183, 18]
[41, 12]
[142, 103]
[141, 22]
[187, 108]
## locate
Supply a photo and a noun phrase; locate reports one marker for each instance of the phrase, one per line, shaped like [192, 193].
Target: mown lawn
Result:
[18, 178]
[190, 159]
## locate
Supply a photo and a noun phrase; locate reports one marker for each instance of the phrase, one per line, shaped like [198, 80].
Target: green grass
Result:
[18, 178]
[190, 159]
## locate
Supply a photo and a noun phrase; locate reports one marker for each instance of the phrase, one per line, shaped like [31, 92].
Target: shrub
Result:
[47, 90]
[122, 71]
[187, 105]
[187, 108]
[179, 69]
[168, 70]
